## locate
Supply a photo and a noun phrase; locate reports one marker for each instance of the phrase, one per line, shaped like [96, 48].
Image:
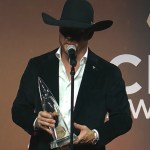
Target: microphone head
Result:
[69, 47]
[71, 50]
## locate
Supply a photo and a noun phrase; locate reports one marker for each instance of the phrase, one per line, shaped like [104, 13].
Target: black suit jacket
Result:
[102, 92]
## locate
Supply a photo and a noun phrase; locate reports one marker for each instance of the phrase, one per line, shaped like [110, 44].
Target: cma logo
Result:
[135, 87]
[148, 20]
[133, 60]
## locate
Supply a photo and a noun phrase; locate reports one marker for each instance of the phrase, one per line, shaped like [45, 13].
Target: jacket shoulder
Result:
[44, 57]
[101, 63]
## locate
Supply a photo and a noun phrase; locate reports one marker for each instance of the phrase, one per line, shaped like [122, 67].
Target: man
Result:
[98, 86]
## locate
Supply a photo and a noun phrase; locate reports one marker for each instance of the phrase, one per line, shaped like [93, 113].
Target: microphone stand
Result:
[72, 73]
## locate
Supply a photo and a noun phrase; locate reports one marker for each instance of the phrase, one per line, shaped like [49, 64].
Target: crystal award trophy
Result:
[61, 134]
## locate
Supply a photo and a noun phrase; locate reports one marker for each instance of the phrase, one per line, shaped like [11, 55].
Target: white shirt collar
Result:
[82, 61]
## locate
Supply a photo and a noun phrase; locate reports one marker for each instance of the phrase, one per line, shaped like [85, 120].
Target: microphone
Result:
[71, 50]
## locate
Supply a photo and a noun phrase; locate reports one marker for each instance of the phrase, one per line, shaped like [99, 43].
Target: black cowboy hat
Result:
[77, 14]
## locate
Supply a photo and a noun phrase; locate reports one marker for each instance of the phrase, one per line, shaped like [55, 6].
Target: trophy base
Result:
[61, 142]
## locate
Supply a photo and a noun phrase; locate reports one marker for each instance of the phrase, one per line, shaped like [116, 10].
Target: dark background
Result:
[24, 35]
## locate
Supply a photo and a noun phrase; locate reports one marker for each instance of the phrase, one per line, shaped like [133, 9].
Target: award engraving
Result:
[60, 131]
[61, 134]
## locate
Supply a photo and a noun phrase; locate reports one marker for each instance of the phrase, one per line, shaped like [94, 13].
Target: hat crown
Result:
[78, 10]
[77, 14]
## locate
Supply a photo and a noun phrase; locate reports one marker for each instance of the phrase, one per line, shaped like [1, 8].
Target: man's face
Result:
[72, 36]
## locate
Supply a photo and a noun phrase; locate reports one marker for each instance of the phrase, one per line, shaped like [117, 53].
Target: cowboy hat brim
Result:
[98, 26]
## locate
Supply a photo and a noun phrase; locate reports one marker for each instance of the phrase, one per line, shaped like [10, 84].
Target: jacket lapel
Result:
[88, 81]
[50, 75]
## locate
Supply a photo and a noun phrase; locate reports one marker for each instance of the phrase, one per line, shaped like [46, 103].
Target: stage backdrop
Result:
[127, 44]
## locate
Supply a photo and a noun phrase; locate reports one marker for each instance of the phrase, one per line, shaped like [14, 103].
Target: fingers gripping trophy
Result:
[61, 134]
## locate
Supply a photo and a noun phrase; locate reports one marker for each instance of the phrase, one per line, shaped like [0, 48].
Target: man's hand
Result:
[46, 121]
[86, 135]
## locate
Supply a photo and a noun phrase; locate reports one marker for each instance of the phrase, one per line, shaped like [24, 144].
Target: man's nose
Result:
[70, 41]
[69, 38]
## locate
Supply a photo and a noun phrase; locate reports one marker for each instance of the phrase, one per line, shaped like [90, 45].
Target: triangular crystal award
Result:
[61, 134]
